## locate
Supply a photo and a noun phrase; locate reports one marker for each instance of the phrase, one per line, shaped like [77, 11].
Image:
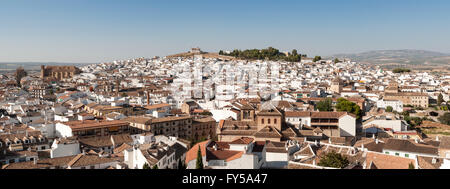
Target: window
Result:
[386, 152]
[262, 121]
[406, 155]
[274, 121]
[397, 154]
[268, 121]
[92, 167]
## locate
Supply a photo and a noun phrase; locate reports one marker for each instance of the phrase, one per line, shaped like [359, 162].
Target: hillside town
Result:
[199, 110]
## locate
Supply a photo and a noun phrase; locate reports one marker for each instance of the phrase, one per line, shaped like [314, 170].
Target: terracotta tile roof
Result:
[276, 147]
[444, 142]
[86, 160]
[97, 142]
[139, 120]
[226, 155]
[242, 140]
[81, 125]
[383, 161]
[427, 162]
[410, 146]
[156, 106]
[297, 114]
[219, 145]
[172, 118]
[121, 139]
[268, 132]
[121, 148]
[192, 153]
[317, 114]
[43, 163]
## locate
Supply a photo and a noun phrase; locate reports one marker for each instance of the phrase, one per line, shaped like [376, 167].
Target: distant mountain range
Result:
[412, 57]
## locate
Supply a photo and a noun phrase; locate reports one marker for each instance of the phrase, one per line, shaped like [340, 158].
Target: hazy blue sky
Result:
[105, 30]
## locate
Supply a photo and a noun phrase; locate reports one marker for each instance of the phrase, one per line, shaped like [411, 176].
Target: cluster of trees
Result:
[269, 53]
[317, 58]
[413, 121]
[147, 166]
[325, 105]
[445, 119]
[334, 159]
[401, 70]
[343, 105]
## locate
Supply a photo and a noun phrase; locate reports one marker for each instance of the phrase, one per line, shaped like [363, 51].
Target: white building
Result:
[396, 105]
[64, 147]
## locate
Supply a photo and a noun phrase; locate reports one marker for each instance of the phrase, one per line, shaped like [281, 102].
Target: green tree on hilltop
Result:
[317, 58]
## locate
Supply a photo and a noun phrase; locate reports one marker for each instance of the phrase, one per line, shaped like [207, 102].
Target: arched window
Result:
[268, 121]
[262, 120]
[275, 121]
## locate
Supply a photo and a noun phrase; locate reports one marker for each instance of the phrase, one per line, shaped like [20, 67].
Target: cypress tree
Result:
[199, 159]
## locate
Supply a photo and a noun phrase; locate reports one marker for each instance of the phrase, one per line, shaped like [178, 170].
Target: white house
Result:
[396, 105]
[64, 147]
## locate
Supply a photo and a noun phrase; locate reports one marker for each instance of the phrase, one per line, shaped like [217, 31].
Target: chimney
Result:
[362, 147]
[437, 138]
[317, 143]
[376, 141]
[34, 161]
[416, 140]
[329, 140]
[373, 136]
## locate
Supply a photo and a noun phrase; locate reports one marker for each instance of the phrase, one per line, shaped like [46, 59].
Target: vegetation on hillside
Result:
[445, 119]
[401, 70]
[263, 54]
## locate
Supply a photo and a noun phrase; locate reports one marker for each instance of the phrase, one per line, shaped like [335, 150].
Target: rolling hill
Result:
[411, 57]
